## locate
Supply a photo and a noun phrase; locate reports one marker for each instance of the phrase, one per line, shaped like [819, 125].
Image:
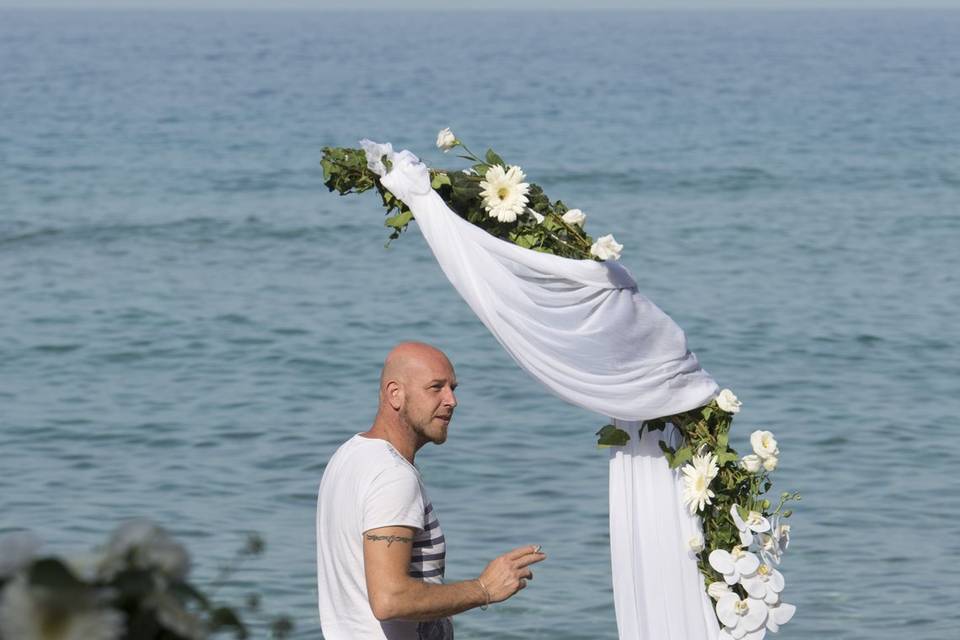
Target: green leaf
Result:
[493, 158]
[656, 425]
[440, 180]
[668, 452]
[707, 412]
[399, 221]
[52, 574]
[681, 456]
[723, 440]
[134, 585]
[611, 436]
[727, 456]
[224, 617]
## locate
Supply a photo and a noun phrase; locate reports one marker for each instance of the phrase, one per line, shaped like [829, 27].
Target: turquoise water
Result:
[190, 323]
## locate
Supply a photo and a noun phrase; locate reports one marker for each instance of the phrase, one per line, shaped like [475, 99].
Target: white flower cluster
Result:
[762, 610]
[505, 197]
[765, 454]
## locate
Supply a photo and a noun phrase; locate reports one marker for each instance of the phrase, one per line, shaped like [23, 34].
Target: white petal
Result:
[764, 525]
[756, 615]
[746, 538]
[754, 586]
[771, 597]
[783, 612]
[725, 634]
[722, 561]
[748, 564]
[738, 632]
[757, 634]
[775, 581]
[726, 609]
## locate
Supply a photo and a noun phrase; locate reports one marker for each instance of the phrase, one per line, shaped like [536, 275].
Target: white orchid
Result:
[764, 444]
[717, 590]
[697, 476]
[779, 615]
[728, 402]
[144, 545]
[446, 140]
[773, 545]
[17, 549]
[751, 463]
[766, 584]
[504, 193]
[742, 618]
[606, 248]
[755, 523]
[575, 217]
[734, 564]
[26, 614]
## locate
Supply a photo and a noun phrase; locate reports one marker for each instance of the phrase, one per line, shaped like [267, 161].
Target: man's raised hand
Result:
[506, 575]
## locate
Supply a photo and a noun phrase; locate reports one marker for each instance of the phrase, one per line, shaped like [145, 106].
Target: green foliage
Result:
[611, 436]
[345, 171]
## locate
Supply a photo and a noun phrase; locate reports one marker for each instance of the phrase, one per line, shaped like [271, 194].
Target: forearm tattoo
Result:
[390, 539]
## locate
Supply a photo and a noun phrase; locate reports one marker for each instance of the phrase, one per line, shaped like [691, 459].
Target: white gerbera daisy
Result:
[25, 615]
[504, 192]
[697, 476]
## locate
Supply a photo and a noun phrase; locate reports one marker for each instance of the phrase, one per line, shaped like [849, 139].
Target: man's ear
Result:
[394, 394]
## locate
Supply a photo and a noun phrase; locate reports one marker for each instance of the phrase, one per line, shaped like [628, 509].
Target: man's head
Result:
[416, 386]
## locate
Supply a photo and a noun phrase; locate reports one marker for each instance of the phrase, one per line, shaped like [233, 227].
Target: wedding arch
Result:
[582, 328]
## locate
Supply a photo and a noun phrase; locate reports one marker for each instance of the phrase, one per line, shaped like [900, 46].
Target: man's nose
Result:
[451, 399]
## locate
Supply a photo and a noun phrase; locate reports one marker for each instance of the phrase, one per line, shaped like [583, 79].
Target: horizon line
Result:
[468, 9]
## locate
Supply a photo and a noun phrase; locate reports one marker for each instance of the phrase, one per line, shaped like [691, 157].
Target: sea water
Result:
[190, 323]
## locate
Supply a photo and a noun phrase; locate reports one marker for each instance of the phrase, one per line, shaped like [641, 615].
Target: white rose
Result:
[575, 217]
[728, 402]
[751, 463]
[764, 444]
[606, 248]
[696, 543]
[718, 590]
[771, 463]
[446, 140]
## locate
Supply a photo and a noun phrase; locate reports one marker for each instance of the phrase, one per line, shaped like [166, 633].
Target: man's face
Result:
[429, 400]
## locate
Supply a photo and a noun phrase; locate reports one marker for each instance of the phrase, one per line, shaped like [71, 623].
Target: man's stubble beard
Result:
[423, 430]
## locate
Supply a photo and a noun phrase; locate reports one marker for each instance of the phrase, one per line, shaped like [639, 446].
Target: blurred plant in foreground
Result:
[134, 588]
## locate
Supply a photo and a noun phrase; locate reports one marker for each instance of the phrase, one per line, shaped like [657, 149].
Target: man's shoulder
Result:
[369, 456]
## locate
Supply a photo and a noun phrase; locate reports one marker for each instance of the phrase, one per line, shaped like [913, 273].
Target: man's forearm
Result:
[418, 600]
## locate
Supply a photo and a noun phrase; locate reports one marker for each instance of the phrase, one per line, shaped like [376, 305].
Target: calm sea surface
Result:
[190, 324]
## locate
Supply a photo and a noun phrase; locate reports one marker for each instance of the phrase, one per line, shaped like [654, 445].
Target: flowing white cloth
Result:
[582, 329]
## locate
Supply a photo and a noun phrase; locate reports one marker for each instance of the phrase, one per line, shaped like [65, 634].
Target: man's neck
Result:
[403, 439]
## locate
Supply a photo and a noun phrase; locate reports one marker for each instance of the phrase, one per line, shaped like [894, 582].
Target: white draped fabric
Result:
[582, 329]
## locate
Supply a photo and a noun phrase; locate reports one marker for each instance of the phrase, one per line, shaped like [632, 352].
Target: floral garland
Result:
[743, 538]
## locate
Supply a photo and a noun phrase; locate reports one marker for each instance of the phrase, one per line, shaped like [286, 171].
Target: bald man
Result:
[380, 549]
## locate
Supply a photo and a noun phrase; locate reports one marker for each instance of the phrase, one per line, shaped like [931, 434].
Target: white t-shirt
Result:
[367, 485]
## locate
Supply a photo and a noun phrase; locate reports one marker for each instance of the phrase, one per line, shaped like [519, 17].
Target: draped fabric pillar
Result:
[658, 589]
[582, 329]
